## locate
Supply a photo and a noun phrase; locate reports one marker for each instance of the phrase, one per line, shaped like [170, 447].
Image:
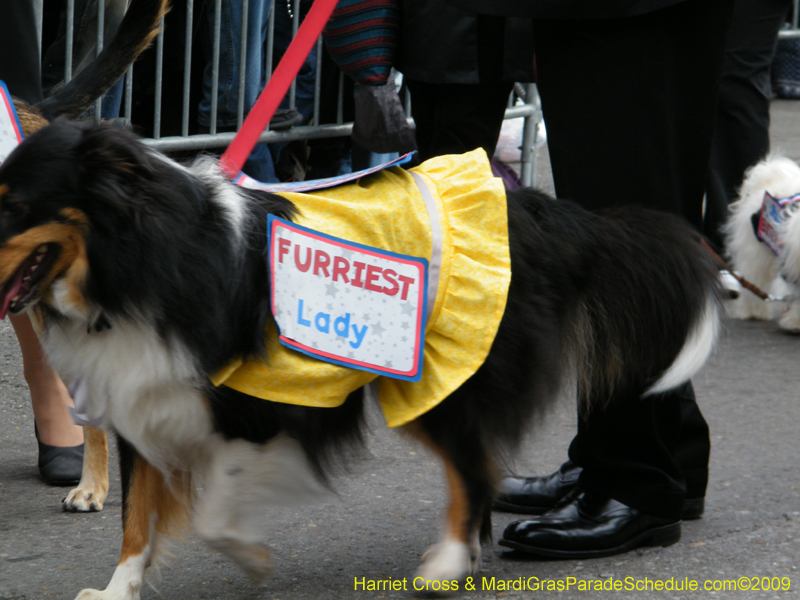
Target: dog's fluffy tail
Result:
[633, 295]
[138, 29]
[699, 344]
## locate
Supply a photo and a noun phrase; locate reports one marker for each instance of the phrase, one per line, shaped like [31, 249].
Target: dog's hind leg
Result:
[468, 474]
[152, 506]
[93, 487]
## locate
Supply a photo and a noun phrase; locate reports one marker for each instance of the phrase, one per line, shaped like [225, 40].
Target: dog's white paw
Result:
[748, 306]
[253, 558]
[85, 499]
[787, 314]
[445, 563]
[789, 319]
[89, 594]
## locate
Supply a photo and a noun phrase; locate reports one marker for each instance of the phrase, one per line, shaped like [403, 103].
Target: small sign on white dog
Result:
[773, 213]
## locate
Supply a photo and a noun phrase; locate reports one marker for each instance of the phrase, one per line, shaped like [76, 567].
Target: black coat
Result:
[443, 44]
[563, 9]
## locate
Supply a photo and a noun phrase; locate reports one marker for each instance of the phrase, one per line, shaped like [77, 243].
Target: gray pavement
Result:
[389, 505]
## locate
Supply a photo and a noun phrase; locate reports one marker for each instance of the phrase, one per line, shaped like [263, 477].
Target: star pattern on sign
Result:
[277, 312]
[329, 306]
[378, 330]
[350, 355]
[404, 325]
[331, 289]
[407, 308]
[346, 253]
[365, 318]
[388, 364]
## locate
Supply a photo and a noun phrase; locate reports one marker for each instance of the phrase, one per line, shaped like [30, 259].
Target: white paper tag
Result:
[10, 128]
[346, 303]
[772, 215]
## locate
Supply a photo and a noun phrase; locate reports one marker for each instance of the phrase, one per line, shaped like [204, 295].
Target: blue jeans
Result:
[306, 78]
[259, 165]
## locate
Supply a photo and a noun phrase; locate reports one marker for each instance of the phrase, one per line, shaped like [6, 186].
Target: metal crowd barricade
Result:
[793, 28]
[529, 111]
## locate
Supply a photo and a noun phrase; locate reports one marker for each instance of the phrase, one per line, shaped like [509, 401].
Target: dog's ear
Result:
[112, 152]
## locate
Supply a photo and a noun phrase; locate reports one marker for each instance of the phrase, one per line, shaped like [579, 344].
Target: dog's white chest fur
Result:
[137, 383]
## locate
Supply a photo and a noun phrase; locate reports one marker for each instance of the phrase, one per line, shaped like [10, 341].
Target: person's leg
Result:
[537, 495]
[741, 135]
[629, 110]
[259, 164]
[456, 118]
[49, 396]
[629, 106]
[692, 454]
[20, 65]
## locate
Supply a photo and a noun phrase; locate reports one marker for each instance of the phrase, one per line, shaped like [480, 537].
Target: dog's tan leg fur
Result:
[155, 506]
[458, 554]
[93, 487]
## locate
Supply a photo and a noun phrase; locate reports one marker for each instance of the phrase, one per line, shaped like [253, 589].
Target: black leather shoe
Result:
[537, 495]
[59, 465]
[585, 525]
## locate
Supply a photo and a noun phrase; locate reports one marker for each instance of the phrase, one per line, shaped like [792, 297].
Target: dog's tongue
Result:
[12, 291]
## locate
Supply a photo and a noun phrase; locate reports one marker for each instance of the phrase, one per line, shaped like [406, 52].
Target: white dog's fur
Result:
[752, 259]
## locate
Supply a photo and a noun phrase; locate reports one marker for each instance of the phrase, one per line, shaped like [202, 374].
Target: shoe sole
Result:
[692, 508]
[665, 535]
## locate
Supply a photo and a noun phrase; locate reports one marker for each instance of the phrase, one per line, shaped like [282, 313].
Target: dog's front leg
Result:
[93, 487]
[241, 481]
[152, 506]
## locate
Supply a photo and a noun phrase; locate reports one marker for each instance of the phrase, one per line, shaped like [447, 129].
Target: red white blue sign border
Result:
[8, 107]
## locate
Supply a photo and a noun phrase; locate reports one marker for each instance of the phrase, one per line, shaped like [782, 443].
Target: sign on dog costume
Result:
[10, 128]
[345, 303]
[387, 211]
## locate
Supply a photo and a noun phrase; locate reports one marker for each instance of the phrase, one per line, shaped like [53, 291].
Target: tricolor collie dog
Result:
[137, 30]
[752, 258]
[146, 278]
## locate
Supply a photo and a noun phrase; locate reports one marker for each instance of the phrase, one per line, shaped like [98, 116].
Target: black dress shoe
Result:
[584, 525]
[537, 495]
[59, 465]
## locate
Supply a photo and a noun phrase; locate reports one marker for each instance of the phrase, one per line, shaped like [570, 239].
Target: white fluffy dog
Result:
[751, 258]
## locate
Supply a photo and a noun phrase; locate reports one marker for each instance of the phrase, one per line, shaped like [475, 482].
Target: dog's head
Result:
[71, 192]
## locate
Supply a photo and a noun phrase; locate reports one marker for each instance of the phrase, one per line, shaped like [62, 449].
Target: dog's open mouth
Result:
[21, 288]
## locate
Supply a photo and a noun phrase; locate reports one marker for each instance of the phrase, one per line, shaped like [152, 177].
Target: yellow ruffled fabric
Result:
[386, 210]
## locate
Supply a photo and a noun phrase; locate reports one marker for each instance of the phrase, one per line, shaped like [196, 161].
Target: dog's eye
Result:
[12, 209]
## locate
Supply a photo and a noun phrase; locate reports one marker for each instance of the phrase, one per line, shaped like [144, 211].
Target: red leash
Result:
[258, 118]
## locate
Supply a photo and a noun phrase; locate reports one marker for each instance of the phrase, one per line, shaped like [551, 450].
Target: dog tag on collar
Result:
[772, 215]
[346, 303]
[10, 128]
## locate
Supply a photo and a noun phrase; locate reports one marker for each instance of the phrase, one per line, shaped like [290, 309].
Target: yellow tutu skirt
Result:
[386, 210]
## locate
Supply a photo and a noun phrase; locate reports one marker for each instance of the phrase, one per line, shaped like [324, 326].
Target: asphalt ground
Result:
[388, 507]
